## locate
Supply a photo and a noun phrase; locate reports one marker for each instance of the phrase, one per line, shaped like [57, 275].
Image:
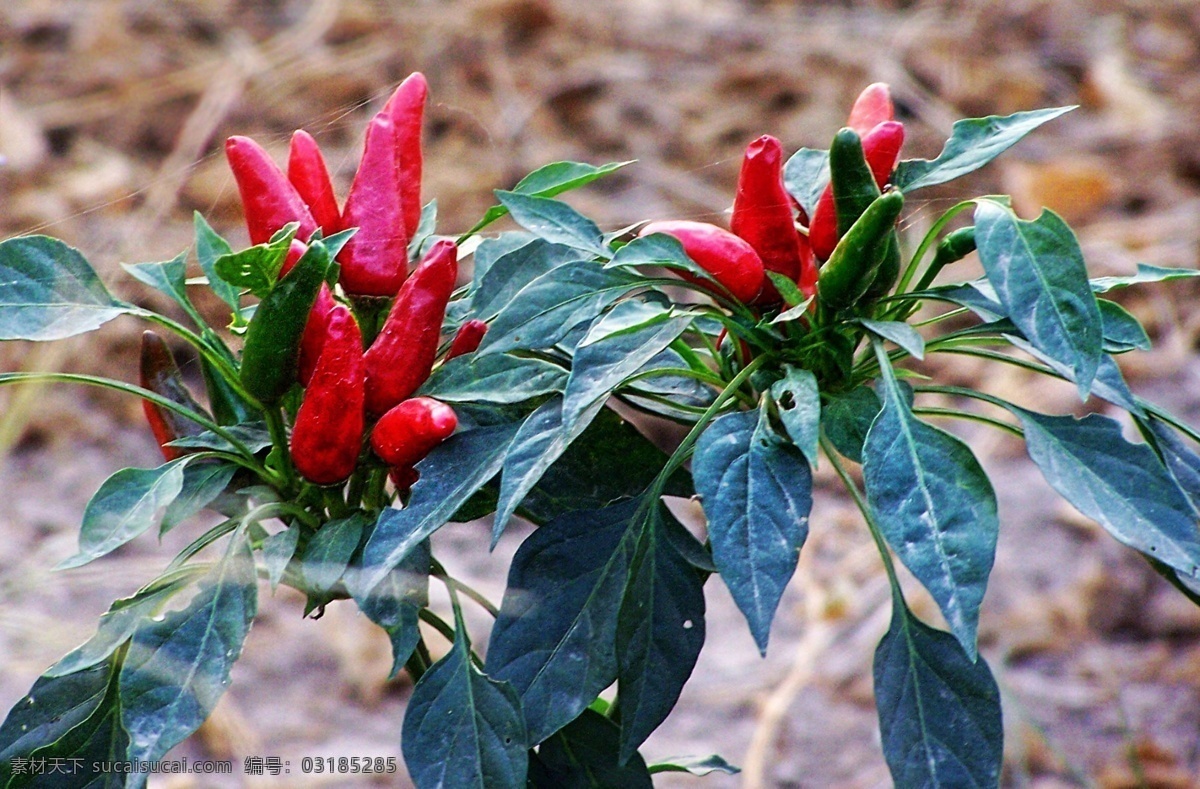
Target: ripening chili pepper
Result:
[268, 199]
[313, 338]
[160, 374]
[467, 338]
[307, 172]
[730, 260]
[375, 261]
[763, 216]
[401, 357]
[271, 352]
[852, 267]
[406, 108]
[872, 107]
[327, 435]
[411, 429]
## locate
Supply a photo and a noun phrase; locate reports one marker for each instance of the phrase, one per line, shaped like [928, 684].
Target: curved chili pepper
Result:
[411, 429]
[401, 357]
[872, 107]
[763, 216]
[268, 199]
[406, 108]
[881, 148]
[467, 338]
[160, 374]
[730, 260]
[852, 267]
[307, 172]
[327, 435]
[271, 352]
[375, 260]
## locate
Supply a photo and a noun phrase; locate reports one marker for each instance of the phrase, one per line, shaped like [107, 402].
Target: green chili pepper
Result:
[954, 247]
[270, 356]
[888, 271]
[856, 259]
[854, 186]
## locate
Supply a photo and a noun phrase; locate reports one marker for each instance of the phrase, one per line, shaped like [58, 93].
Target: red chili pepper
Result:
[763, 216]
[406, 108]
[872, 107]
[313, 338]
[268, 199]
[881, 149]
[731, 261]
[401, 357]
[404, 477]
[160, 374]
[467, 338]
[295, 251]
[410, 430]
[327, 435]
[307, 172]
[375, 261]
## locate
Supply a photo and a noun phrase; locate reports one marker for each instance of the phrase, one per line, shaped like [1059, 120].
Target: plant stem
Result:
[864, 508]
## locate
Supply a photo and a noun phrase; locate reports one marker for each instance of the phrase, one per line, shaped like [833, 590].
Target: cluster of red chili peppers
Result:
[770, 231]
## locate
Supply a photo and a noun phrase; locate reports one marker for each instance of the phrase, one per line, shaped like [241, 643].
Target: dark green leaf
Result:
[546, 310]
[396, 601]
[278, 550]
[1040, 279]
[169, 278]
[973, 143]
[209, 247]
[1122, 331]
[558, 177]
[1122, 486]
[806, 175]
[977, 296]
[426, 225]
[1108, 385]
[464, 729]
[127, 504]
[329, 551]
[492, 249]
[203, 481]
[54, 706]
[898, 332]
[511, 271]
[48, 291]
[939, 713]
[680, 388]
[847, 417]
[450, 475]
[798, 399]
[494, 378]
[254, 435]
[657, 249]
[583, 755]
[790, 292]
[1145, 273]
[660, 631]
[935, 506]
[554, 221]
[554, 637]
[757, 493]
[178, 667]
[696, 765]
[1182, 463]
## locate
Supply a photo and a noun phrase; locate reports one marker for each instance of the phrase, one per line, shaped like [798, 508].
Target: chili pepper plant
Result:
[355, 401]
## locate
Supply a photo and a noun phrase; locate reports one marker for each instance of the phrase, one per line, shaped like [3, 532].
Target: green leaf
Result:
[513, 270]
[209, 248]
[395, 603]
[584, 754]
[178, 667]
[847, 417]
[978, 296]
[278, 550]
[757, 494]
[1145, 273]
[462, 728]
[127, 504]
[1182, 463]
[169, 278]
[898, 332]
[1109, 383]
[203, 481]
[55, 705]
[616, 346]
[798, 400]
[806, 175]
[1040, 279]
[540, 441]
[490, 250]
[328, 552]
[554, 221]
[1122, 332]
[554, 637]
[254, 435]
[426, 226]
[1122, 486]
[494, 378]
[450, 475]
[48, 291]
[939, 713]
[935, 506]
[657, 249]
[558, 177]
[254, 269]
[791, 294]
[547, 309]
[973, 143]
[696, 765]
[660, 631]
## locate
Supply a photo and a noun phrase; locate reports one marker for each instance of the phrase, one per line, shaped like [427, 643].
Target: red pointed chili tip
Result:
[294, 253]
[729, 259]
[408, 432]
[872, 107]
[401, 357]
[881, 148]
[315, 329]
[763, 216]
[268, 199]
[467, 338]
[406, 108]
[375, 260]
[327, 434]
[307, 172]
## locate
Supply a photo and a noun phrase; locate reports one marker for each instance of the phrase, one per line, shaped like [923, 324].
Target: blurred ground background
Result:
[112, 115]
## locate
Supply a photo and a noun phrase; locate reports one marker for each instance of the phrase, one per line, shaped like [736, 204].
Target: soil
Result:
[112, 114]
